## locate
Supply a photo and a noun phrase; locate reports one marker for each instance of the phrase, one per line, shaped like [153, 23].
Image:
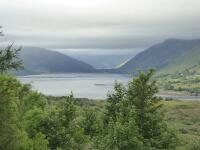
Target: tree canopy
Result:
[9, 58]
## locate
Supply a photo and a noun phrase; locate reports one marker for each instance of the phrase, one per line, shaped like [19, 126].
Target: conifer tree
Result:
[9, 58]
[150, 117]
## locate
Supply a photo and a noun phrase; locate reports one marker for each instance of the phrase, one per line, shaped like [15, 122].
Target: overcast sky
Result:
[98, 24]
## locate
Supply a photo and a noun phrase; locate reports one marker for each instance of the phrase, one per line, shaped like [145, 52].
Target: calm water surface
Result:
[95, 86]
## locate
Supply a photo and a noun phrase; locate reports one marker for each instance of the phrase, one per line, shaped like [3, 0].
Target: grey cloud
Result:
[98, 24]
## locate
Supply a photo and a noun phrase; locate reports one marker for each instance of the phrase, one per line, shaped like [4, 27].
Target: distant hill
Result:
[170, 56]
[38, 60]
[106, 61]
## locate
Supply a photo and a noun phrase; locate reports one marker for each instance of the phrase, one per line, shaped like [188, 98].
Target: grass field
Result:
[184, 117]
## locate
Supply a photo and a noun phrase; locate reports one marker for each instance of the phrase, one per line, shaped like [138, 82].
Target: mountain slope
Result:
[102, 61]
[170, 56]
[38, 60]
[189, 59]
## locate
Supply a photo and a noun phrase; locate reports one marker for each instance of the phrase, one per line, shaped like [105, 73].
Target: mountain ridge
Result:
[39, 60]
[161, 55]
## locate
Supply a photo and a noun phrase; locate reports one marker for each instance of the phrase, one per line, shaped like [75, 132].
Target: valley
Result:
[100, 75]
[176, 61]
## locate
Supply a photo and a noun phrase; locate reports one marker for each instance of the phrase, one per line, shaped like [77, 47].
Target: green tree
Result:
[61, 128]
[121, 131]
[18, 103]
[9, 58]
[33, 99]
[32, 119]
[39, 142]
[150, 116]
[114, 99]
[91, 123]
[9, 123]
[11, 132]
[123, 135]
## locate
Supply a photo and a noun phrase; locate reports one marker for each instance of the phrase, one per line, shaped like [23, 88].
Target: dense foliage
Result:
[131, 119]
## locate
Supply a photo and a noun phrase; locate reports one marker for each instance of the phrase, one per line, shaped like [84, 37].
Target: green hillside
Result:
[189, 59]
[177, 63]
[168, 57]
[183, 73]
